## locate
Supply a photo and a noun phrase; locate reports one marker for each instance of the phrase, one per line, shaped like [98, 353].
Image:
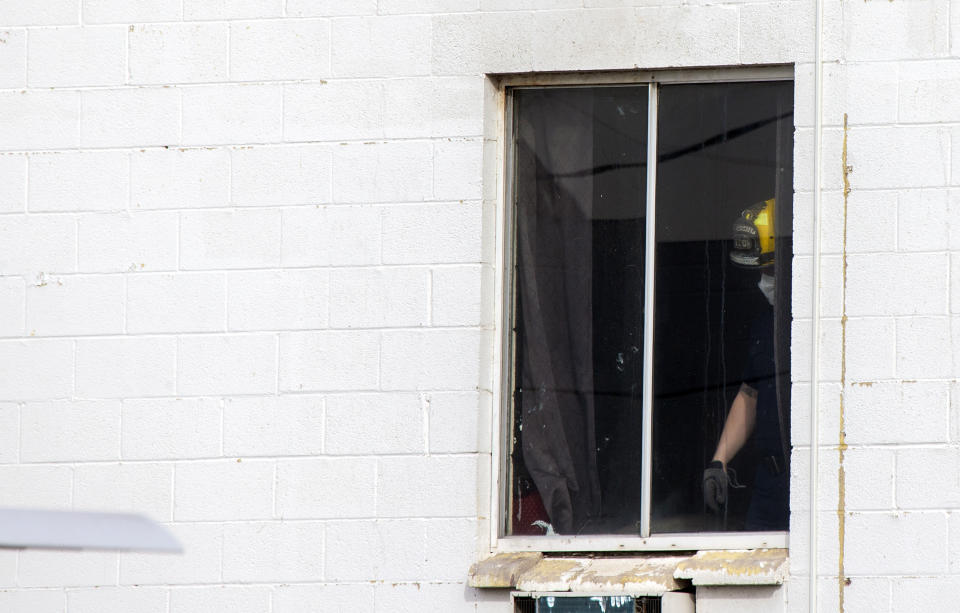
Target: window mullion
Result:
[649, 282]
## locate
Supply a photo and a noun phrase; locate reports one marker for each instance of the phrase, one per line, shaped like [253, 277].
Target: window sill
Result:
[637, 575]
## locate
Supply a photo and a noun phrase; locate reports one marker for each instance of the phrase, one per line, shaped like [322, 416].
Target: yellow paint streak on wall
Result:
[842, 442]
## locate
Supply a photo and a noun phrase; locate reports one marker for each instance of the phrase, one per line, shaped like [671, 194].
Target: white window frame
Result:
[502, 360]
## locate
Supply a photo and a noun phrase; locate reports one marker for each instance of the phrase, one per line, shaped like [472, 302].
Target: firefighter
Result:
[756, 410]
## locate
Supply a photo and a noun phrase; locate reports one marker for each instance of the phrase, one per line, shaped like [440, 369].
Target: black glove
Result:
[715, 485]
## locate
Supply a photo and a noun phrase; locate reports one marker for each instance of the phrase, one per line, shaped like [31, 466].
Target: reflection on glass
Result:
[722, 317]
[580, 180]
[586, 604]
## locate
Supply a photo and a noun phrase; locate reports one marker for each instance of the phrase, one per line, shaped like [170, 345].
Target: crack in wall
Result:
[842, 580]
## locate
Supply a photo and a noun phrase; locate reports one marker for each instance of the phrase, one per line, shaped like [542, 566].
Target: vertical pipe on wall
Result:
[815, 350]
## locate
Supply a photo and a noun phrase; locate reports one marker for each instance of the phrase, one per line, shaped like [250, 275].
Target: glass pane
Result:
[579, 185]
[586, 604]
[722, 318]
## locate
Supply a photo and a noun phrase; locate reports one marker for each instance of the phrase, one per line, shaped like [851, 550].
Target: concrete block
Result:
[923, 344]
[912, 284]
[197, 10]
[36, 486]
[330, 8]
[179, 178]
[454, 230]
[117, 600]
[127, 242]
[170, 428]
[351, 418]
[45, 119]
[394, 550]
[51, 568]
[12, 306]
[336, 110]
[281, 175]
[380, 47]
[456, 44]
[176, 303]
[455, 296]
[13, 59]
[520, 5]
[280, 50]
[954, 411]
[430, 360]
[953, 550]
[753, 599]
[55, 12]
[199, 563]
[924, 593]
[76, 305]
[872, 222]
[223, 490]
[871, 350]
[459, 422]
[876, 412]
[379, 297]
[904, 543]
[237, 113]
[287, 300]
[124, 367]
[37, 244]
[927, 89]
[327, 488]
[913, 30]
[36, 369]
[9, 434]
[831, 286]
[327, 596]
[136, 117]
[229, 239]
[329, 361]
[399, 7]
[331, 236]
[13, 183]
[870, 479]
[84, 181]
[135, 488]
[70, 431]
[35, 601]
[130, 11]
[410, 597]
[221, 599]
[921, 215]
[440, 107]
[179, 53]
[273, 426]
[928, 478]
[85, 56]
[274, 552]
[452, 544]
[898, 157]
[458, 169]
[399, 171]
[234, 364]
[446, 486]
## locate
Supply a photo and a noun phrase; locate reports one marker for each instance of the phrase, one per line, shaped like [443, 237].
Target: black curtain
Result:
[555, 334]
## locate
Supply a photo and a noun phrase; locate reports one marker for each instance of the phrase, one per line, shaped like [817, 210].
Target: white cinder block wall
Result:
[246, 255]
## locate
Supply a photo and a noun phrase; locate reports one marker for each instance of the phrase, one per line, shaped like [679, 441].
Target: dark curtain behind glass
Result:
[579, 185]
[721, 148]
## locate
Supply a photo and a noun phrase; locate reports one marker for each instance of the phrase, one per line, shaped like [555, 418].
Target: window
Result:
[646, 310]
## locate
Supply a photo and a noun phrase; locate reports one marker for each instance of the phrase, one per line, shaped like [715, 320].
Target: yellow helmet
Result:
[754, 236]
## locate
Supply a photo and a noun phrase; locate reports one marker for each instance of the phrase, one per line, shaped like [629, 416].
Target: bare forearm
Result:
[739, 425]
